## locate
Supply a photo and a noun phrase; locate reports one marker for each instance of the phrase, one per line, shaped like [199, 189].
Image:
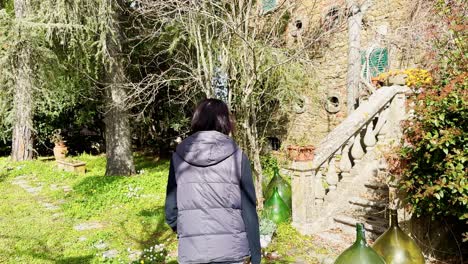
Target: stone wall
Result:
[385, 20]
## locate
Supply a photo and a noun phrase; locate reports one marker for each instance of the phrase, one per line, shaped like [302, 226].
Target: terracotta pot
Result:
[293, 152]
[307, 153]
[304, 153]
[60, 151]
[375, 81]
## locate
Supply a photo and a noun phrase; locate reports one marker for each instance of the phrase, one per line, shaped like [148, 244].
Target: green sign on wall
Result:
[268, 6]
[378, 61]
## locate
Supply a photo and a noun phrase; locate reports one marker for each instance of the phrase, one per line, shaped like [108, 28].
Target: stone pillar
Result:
[397, 113]
[303, 196]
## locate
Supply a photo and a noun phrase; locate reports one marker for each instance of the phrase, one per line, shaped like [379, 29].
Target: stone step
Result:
[381, 194]
[376, 185]
[365, 211]
[366, 203]
[372, 225]
[351, 231]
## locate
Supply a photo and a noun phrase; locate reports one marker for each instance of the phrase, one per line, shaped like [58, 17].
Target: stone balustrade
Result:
[315, 182]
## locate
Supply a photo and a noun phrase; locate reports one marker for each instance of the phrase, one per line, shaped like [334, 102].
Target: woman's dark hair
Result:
[212, 114]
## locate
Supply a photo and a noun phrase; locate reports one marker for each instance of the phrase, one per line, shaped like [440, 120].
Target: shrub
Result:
[435, 153]
[414, 77]
[433, 160]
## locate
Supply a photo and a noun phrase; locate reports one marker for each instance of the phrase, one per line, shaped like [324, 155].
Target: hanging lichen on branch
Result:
[229, 37]
[60, 49]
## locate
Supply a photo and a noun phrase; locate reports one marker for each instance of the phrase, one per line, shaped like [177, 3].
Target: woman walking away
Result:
[210, 200]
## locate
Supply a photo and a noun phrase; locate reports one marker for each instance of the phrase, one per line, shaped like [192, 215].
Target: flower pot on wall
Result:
[301, 153]
[306, 153]
[375, 81]
[293, 152]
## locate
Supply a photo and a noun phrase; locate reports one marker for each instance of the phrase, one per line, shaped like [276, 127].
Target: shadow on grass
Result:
[149, 162]
[94, 185]
[4, 171]
[155, 233]
[75, 260]
[43, 252]
[3, 177]
[97, 184]
[158, 233]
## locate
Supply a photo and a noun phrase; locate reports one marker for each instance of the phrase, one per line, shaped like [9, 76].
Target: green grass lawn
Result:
[41, 209]
[51, 216]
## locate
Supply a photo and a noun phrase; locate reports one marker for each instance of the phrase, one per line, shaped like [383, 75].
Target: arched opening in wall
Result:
[365, 23]
[331, 19]
[297, 28]
[333, 103]
[298, 24]
[274, 143]
[300, 105]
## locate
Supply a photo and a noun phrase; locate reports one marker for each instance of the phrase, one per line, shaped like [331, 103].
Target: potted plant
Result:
[293, 151]
[375, 81]
[267, 230]
[60, 149]
[301, 150]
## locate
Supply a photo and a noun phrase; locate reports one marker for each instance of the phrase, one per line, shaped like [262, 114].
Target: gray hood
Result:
[206, 148]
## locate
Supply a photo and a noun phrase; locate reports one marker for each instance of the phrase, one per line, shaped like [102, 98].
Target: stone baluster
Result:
[319, 189]
[332, 176]
[397, 113]
[369, 137]
[383, 118]
[384, 132]
[356, 150]
[345, 165]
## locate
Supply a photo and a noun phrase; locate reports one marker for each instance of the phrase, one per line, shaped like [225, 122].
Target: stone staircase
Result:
[368, 206]
[346, 182]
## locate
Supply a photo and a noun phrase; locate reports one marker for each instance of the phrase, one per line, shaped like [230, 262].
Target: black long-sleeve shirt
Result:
[248, 205]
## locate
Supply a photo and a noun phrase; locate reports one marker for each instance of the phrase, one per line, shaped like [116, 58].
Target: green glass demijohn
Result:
[359, 252]
[284, 188]
[276, 209]
[396, 247]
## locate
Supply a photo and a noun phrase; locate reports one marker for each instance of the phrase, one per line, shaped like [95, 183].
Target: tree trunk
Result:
[118, 131]
[255, 156]
[354, 56]
[23, 138]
